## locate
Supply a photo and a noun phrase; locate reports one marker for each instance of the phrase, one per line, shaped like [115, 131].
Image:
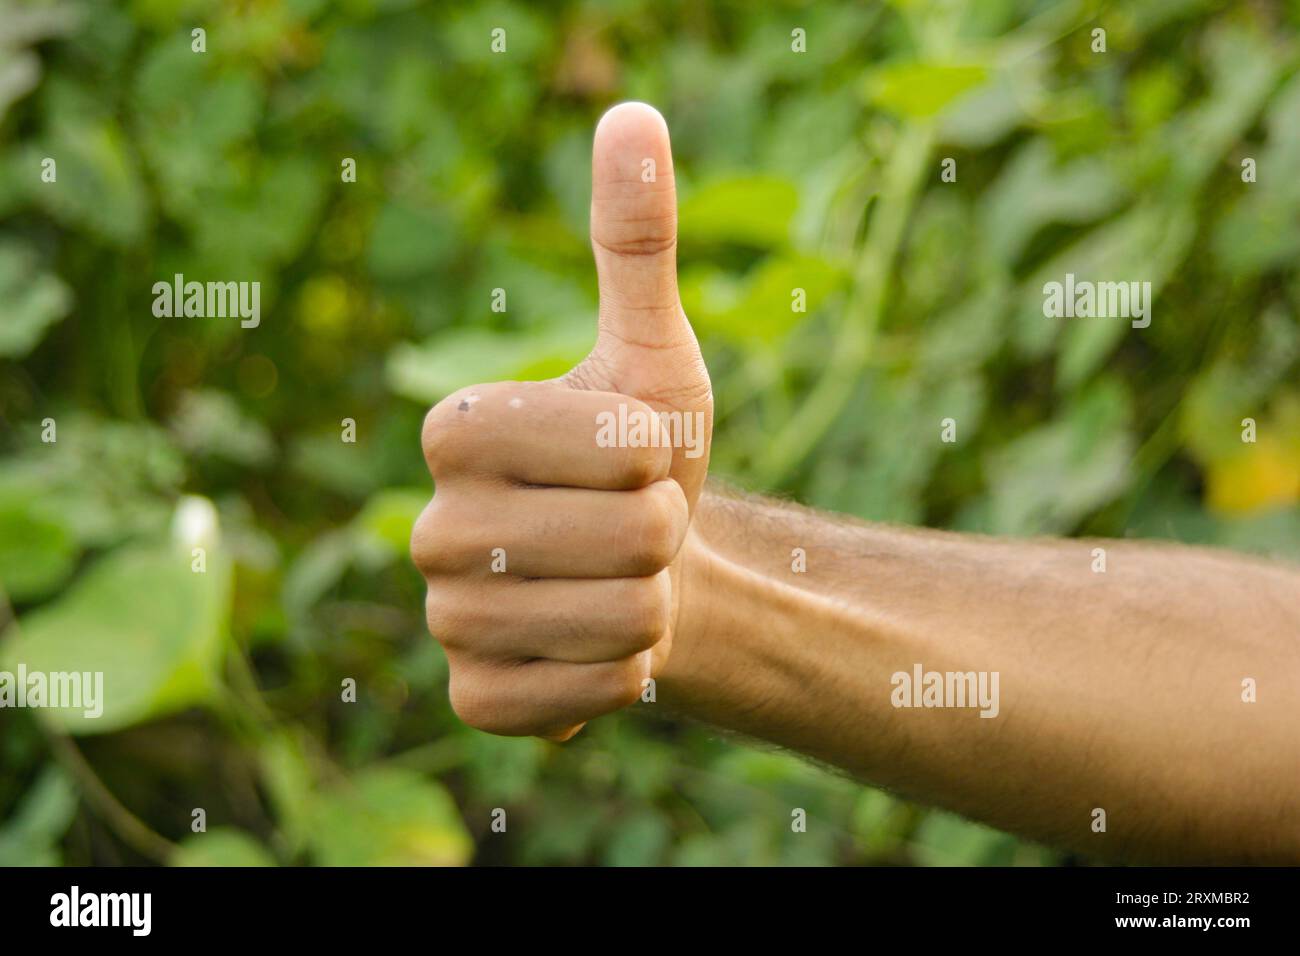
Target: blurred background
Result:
[818, 170]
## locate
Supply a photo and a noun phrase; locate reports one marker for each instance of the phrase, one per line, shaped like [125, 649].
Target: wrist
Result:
[750, 642]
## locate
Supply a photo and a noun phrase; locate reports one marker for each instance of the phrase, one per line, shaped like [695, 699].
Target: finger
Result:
[543, 698]
[567, 734]
[579, 621]
[551, 532]
[540, 433]
[634, 228]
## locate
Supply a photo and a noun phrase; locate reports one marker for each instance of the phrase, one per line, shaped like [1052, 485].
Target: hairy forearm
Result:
[1119, 690]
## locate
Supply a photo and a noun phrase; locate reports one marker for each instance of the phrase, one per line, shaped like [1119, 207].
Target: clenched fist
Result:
[552, 547]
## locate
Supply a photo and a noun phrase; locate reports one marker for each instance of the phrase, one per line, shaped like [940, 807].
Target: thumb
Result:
[645, 347]
[634, 229]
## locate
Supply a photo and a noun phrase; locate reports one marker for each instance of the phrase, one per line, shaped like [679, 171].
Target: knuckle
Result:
[449, 536]
[444, 439]
[646, 611]
[625, 683]
[661, 522]
[438, 436]
[424, 552]
[433, 540]
[469, 701]
[446, 618]
[644, 236]
[642, 467]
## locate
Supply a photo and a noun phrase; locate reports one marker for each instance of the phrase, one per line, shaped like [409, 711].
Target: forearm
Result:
[1120, 690]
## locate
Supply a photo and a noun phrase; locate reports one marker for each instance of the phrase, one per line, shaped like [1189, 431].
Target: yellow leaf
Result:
[1264, 474]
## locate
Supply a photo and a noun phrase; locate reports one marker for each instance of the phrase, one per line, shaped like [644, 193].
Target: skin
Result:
[1120, 691]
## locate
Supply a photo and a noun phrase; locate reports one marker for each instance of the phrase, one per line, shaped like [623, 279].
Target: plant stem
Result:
[130, 828]
[852, 346]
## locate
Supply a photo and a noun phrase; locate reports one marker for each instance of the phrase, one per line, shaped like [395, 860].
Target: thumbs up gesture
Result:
[552, 546]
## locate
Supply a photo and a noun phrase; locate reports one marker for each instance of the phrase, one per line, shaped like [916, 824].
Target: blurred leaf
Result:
[1244, 65]
[1261, 230]
[638, 841]
[388, 817]
[153, 627]
[99, 186]
[409, 241]
[32, 300]
[505, 767]
[875, 821]
[263, 220]
[210, 422]
[316, 569]
[27, 25]
[221, 846]
[760, 307]
[102, 480]
[36, 553]
[948, 840]
[919, 90]
[389, 516]
[1050, 477]
[1033, 190]
[190, 121]
[30, 836]
[748, 210]
[1259, 476]
[428, 373]
[290, 784]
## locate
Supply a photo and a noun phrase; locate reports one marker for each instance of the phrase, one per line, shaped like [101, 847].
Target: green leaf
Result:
[33, 300]
[1215, 403]
[103, 480]
[190, 117]
[505, 766]
[1033, 190]
[429, 372]
[290, 784]
[389, 515]
[877, 821]
[27, 25]
[1050, 477]
[266, 219]
[918, 90]
[31, 834]
[1141, 246]
[36, 553]
[99, 187]
[153, 627]
[947, 840]
[222, 846]
[317, 569]
[759, 308]
[639, 840]
[210, 422]
[409, 241]
[389, 817]
[752, 210]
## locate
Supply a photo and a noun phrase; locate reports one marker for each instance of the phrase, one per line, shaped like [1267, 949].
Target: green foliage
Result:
[30, 835]
[35, 300]
[221, 847]
[388, 817]
[818, 171]
[140, 616]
